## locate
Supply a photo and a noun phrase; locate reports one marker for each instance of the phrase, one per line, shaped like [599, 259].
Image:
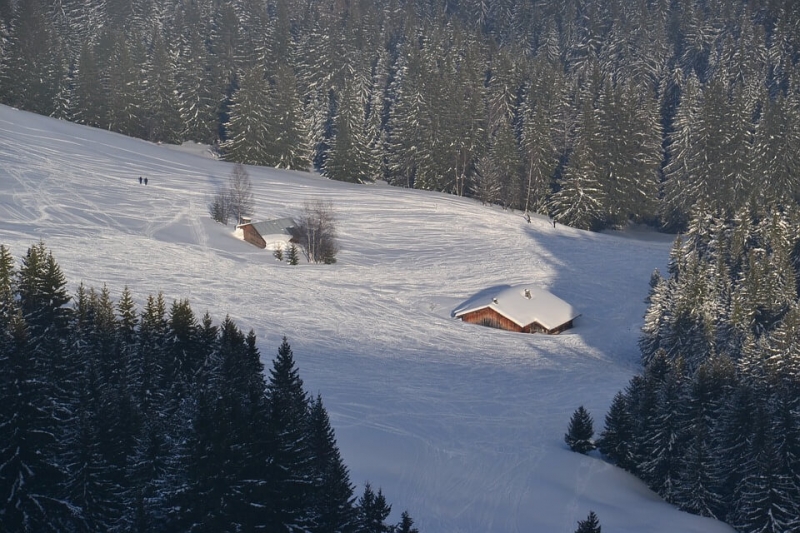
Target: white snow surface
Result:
[460, 425]
[523, 305]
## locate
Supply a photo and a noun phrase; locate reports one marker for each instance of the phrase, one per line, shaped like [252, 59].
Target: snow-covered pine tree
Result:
[616, 438]
[486, 185]
[124, 86]
[348, 158]
[32, 69]
[248, 139]
[580, 198]
[407, 118]
[198, 95]
[700, 488]
[681, 167]
[287, 126]
[541, 111]
[89, 102]
[163, 121]
[630, 142]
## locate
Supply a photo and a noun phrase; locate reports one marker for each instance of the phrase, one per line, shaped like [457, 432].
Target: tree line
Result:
[596, 112]
[713, 423]
[117, 420]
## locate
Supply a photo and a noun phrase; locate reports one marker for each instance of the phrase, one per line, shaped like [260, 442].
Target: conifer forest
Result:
[595, 112]
[119, 420]
[713, 423]
[680, 114]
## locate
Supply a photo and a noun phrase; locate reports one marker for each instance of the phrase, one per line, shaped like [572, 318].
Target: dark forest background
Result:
[596, 112]
[713, 422]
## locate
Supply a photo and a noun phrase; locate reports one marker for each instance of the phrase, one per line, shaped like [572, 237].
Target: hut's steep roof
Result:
[523, 305]
[278, 226]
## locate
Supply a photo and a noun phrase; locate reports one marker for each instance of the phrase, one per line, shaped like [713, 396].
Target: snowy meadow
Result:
[461, 425]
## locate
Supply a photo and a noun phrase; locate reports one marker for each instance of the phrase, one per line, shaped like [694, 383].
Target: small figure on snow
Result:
[145, 182]
[140, 180]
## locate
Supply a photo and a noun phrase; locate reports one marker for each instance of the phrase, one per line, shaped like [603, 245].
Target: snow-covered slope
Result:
[459, 424]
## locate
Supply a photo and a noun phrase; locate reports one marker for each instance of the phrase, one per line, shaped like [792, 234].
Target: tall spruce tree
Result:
[331, 496]
[290, 470]
[615, 439]
[373, 512]
[248, 139]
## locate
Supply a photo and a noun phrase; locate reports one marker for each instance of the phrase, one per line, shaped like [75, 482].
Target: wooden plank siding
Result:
[490, 318]
[252, 236]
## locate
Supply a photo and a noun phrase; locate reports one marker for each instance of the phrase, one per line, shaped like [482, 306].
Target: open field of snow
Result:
[459, 424]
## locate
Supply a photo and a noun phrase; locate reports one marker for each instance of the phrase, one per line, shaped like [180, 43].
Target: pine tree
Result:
[289, 471]
[199, 94]
[331, 497]
[249, 139]
[590, 525]
[486, 185]
[372, 512]
[124, 90]
[226, 454]
[580, 431]
[665, 439]
[348, 158]
[699, 490]
[37, 399]
[88, 105]
[163, 121]
[293, 256]
[631, 148]
[580, 199]
[406, 524]
[32, 70]
[540, 114]
[407, 120]
[504, 154]
[287, 127]
[183, 355]
[615, 440]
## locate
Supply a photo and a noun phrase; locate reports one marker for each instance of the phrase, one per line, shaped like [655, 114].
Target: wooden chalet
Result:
[269, 233]
[519, 308]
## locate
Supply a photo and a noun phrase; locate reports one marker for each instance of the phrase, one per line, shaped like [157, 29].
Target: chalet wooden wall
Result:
[252, 236]
[490, 318]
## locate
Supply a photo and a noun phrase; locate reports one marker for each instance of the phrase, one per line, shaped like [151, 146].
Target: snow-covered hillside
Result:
[459, 424]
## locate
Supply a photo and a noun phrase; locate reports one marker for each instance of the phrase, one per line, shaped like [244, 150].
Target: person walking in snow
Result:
[145, 181]
[140, 180]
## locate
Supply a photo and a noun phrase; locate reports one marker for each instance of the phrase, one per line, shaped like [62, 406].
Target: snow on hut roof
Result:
[278, 226]
[524, 305]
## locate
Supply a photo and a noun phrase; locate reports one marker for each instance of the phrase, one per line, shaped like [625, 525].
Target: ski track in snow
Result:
[459, 424]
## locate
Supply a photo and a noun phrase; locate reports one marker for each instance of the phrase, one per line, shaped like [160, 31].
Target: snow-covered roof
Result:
[278, 226]
[523, 305]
